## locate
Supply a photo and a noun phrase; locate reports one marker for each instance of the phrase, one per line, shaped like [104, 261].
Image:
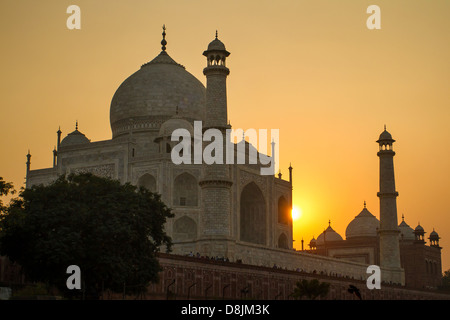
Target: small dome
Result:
[434, 235]
[328, 235]
[364, 224]
[312, 243]
[216, 45]
[385, 136]
[406, 232]
[172, 124]
[419, 229]
[74, 138]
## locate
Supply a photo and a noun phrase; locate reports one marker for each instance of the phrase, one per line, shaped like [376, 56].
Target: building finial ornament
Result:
[217, 34]
[76, 125]
[364, 204]
[384, 127]
[163, 41]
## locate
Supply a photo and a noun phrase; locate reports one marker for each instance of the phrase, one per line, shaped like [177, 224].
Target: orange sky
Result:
[309, 68]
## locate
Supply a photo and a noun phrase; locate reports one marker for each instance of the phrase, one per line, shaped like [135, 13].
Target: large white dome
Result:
[152, 95]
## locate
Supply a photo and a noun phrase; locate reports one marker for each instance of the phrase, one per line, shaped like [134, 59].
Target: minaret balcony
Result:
[387, 194]
[216, 69]
[386, 153]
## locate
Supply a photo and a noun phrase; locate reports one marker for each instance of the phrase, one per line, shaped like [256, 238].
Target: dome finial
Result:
[164, 42]
[76, 125]
[384, 127]
[364, 204]
[217, 34]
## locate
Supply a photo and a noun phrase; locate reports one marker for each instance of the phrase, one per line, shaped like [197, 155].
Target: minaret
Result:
[216, 235]
[58, 142]
[216, 74]
[388, 231]
[28, 168]
[290, 174]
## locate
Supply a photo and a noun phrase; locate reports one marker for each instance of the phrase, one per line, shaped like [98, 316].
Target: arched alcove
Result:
[283, 242]
[147, 181]
[284, 211]
[184, 229]
[253, 215]
[185, 190]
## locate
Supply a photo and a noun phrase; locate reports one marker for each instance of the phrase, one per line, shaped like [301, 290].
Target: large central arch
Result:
[147, 181]
[253, 215]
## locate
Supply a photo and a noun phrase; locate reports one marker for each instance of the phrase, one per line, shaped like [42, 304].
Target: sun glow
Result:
[296, 213]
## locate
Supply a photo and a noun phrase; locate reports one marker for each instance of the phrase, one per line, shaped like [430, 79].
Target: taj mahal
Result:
[231, 210]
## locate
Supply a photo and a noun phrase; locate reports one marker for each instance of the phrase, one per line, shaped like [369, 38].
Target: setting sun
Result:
[296, 213]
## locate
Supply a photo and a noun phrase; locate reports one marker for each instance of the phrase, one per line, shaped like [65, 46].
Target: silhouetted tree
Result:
[445, 285]
[112, 231]
[311, 289]
[5, 189]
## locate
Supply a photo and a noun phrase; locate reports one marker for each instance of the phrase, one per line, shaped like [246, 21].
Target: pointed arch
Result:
[184, 229]
[284, 211]
[147, 181]
[283, 241]
[253, 214]
[185, 190]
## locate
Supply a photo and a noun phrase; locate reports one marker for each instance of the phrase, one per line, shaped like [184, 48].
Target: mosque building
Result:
[405, 247]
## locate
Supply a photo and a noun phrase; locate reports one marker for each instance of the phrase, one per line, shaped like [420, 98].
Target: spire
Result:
[55, 154]
[28, 161]
[163, 41]
[58, 133]
[290, 174]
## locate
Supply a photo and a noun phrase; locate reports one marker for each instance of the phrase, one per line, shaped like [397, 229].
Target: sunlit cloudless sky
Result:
[311, 69]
